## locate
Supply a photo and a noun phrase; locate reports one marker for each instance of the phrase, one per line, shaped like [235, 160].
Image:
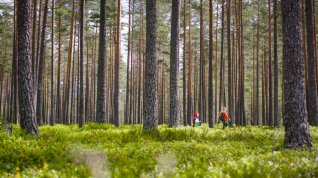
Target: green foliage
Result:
[106, 151]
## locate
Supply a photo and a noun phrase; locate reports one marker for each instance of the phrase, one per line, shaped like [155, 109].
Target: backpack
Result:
[221, 117]
[193, 121]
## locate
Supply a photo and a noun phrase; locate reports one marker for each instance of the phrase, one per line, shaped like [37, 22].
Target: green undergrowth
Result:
[106, 151]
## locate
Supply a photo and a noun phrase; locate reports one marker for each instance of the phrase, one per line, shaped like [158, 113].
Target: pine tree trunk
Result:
[234, 75]
[195, 82]
[87, 92]
[132, 86]
[270, 83]
[72, 113]
[210, 88]
[263, 90]
[141, 59]
[7, 108]
[14, 93]
[117, 59]
[150, 100]
[221, 99]
[253, 85]
[34, 37]
[101, 98]
[37, 50]
[304, 47]
[94, 76]
[266, 91]
[242, 93]
[296, 126]
[39, 105]
[276, 120]
[315, 40]
[2, 69]
[312, 106]
[257, 64]
[161, 115]
[78, 79]
[81, 118]
[58, 87]
[128, 67]
[68, 70]
[230, 97]
[190, 69]
[216, 65]
[27, 114]
[237, 57]
[132, 99]
[202, 61]
[7, 98]
[174, 119]
[163, 97]
[184, 80]
[52, 119]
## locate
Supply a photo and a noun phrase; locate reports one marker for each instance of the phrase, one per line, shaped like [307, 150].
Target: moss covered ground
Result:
[106, 151]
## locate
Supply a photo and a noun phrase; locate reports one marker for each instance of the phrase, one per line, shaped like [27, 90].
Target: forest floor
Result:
[106, 151]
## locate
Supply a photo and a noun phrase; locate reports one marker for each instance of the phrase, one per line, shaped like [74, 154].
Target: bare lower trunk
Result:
[81, 118]
[150, 100]
[39, 105]
[210, 82]
[101, 92]
[27, 113]
[312, 106]
[295, 115]
[276, 120]
[116, 67]
[174, 64]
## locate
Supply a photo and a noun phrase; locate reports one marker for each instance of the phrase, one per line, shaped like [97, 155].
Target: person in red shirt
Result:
[224, 117]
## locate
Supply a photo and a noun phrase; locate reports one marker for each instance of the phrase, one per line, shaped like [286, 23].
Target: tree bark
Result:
[242, 71]
[117, 59]
[27, 114]
[101, 98]
[190, 69]
[52, 119]
[295, 115]
[174, 119]
[304, 47]
[150, 100]
[210, 88]
[58, 87]
[270, 86]
[37, 50]
[34, 37]
[221, 99]
[216, 64]
[68, 69]
[202, 61]
[87, 92]
[276, 120]
[312, 106]
[81, 118]
[13, 111]
[72, 113]
[230, 97]
[127, 108]
[141, 64]
[184, 81]
[263, 90]
[2, 69]
[257, 65]
[39, 105]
